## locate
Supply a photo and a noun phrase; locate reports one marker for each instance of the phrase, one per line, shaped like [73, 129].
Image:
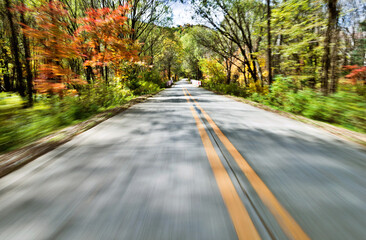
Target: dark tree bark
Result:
[228, 71]
[269, 47]
[27, 64]
[106, 75]
[89, 72]
[15, 50]
[7, 80]
[334, 59]
[327, 59]
[169, 72]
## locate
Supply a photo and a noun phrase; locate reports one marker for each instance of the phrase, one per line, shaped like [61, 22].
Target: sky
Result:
[182, 14]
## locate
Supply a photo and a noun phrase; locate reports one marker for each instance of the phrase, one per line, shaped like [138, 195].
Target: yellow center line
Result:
[291, 228]
[243, 224]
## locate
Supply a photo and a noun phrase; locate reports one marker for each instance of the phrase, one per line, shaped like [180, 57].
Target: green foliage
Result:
[257, 87]
[21, 126]
[193, 51]
[231, 89]
[281, 85]
[345, 108]
[212, 70]
[153, 76]
[146, 87]
[170, 58]
[297, 22]
[297, 102]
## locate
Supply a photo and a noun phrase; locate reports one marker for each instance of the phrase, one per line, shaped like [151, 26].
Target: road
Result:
[190, 164]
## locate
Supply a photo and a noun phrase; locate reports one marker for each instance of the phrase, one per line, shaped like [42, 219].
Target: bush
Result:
[20, 126]
[212, 70]
[146, 88]
[231, 89]
[345, 108]
[297, 102]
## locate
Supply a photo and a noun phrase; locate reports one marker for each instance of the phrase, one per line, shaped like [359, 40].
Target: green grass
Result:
[20, 126]
[346, 108]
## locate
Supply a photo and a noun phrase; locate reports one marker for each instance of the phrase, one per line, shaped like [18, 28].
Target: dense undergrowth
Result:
[346, 108]
[20, 126]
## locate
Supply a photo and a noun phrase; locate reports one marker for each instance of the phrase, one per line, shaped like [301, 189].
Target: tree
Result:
[357, 74]
[145, 15]
[296, 28]
[241, 24]
[101, 40]
[53, 45]
[192, 53]
[329, 56]
[170, 59]
[352, 25]
[27, 56]
[15, 49]
[269, 48]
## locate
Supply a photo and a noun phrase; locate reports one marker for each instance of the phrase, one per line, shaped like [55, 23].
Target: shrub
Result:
[231, 89]
[298, 102]
[212, 70]
[20, 126]
[146, 88]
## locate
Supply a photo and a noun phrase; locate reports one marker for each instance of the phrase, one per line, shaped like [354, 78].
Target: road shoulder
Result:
[14, 160]
[344, 134]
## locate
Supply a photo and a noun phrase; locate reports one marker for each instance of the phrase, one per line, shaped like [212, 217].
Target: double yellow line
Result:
[243, 224]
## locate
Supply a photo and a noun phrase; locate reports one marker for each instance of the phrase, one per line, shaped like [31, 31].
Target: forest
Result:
[63, 61]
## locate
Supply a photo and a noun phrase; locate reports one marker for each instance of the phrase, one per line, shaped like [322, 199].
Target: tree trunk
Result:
[89, 72]
[27, 64]
[228, 71]
[106, 75]
[276, 60]
[334, 60]
[7, 80]
[15, 50]
[332, 23]
[259, 71]
[269, 48]
[169, 72]
[246, 83]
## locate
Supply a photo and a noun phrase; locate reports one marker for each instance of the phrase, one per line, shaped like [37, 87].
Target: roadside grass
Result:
[346, 108]
[21, 126]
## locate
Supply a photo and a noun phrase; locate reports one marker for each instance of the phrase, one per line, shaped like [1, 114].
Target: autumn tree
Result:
[102, 40]
[27, 56]
[15, 47]
[54, 45]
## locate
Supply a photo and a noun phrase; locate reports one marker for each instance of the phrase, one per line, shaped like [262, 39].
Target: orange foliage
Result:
[102, 39]
[357, 74]
[54, 45]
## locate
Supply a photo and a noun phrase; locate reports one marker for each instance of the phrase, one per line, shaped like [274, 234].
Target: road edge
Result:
[345, 134]
[16, 159]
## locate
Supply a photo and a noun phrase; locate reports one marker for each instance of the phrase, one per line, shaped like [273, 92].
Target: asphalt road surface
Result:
[190, 164]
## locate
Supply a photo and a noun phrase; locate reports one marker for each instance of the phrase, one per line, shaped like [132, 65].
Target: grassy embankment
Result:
[346, 108]
[20, 126]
